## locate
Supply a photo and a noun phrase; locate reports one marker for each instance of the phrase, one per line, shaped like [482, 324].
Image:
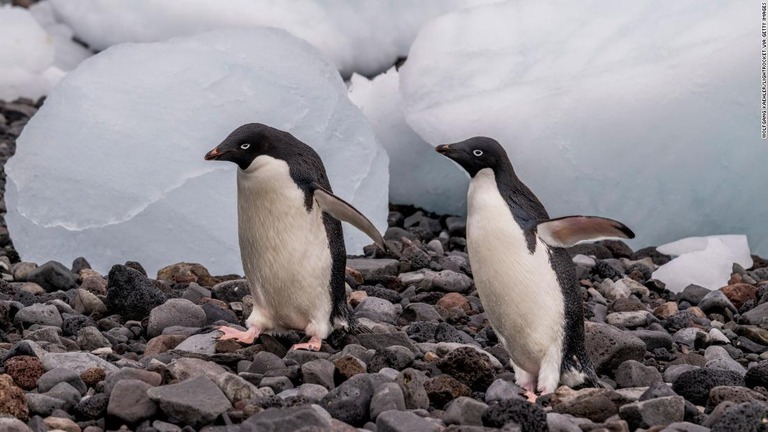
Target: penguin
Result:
[524, 276]
[290, 235]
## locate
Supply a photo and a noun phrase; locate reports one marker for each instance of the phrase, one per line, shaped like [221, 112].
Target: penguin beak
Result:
[214, 154]
[444, 149]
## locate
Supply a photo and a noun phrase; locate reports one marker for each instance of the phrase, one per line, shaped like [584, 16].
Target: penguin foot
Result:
[313, 345]
[246, 337]
[531, 396]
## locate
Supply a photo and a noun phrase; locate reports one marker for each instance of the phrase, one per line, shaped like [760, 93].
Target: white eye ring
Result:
[245, 146]
[477, 152]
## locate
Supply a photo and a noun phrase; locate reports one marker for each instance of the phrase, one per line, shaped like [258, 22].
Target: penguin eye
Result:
[477, 152]
[245, 146]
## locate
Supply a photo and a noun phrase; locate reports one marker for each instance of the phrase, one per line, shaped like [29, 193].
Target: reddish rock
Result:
[356, 276]
[61, 424]
[740, 293]
[444, 389]
[162, 343]
[356, 297]
[468, 366]
[92, 376]
[94, 284]
[227, 346]
[666, 310]
[214, 301]
[13, 402]
[25, 371]
[697, 312]
[348, 366]
[452, 300]
[186, 272]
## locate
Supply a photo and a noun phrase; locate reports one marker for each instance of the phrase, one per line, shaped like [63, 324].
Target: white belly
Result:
[284, 249]
[519, 291]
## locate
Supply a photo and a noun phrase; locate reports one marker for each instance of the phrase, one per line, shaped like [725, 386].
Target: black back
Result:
[478, 153]
[306, 169]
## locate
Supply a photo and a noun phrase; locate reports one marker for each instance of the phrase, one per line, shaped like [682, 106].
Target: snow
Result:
[705, 261]
[646, 112]
[26, 56]
[112, 167]
[67, 53]
[417, 174]
[361, 36]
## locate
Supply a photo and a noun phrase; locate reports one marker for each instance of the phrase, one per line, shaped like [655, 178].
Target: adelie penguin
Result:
[291, 240]
[525, 278]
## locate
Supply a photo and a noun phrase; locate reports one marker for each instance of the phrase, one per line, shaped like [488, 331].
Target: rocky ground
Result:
[82, 351]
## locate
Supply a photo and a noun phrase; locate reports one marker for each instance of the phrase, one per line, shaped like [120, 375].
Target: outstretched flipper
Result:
[567, 231]
[343, 211]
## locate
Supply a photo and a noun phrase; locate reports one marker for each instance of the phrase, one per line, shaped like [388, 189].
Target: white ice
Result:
[26, 56]
[417, 174]
[112, 167]
[704, 261]
[359, 36]
[647, 112]
[67, 53]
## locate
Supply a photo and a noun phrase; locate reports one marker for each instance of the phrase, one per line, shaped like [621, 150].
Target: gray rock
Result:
[716, 336]
[412, 383]
[404, 421]
[716, 301]
[654, 412]
[204, 343]
[153, 379]
[608, 346]
[287, 420]
[10, 424]
[419, 312]
[694, 294]
[451, 281]
[45, 334]
[131, 294]
[395, 357]
[557, 422]
[654, 339]
[195, 293]
[657, 390]
[379, 341]
[236, 388]
[628, 320]
[375, 270]
[749, 416]
[674, 371]
[130, 402]
[376, 309]
[175, 312]
[695, 385]
[718, 358]
[464, 411]
[277, 383]
[66, 393]
[90, 338]
[318, 371]
[231, 291]
[264, 361]
[187, 367]
[687, 336]
[58, 375]
[350, 402]
[87, 303]
[77, 361]
[43, 405]
[53, 276]
[388, 396]
[313, 392]
[501, 390]
[443, 348]
[38, 313]
[632, 373]
[684, 427]
[162, 426]
[448, 333]
[196, 401]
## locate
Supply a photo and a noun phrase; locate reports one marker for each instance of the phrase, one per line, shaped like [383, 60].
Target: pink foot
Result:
[247, 336]
[313, 345]
[531, 396]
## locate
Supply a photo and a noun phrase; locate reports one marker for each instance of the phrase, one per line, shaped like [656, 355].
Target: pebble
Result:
[52, 276]
[404, 421]
[131, 294]
[632, 373]
[608, 346]
[530, 417]
[388, 396]
[660, 411]
[196, 401]
[130, 402]
[175, 312]
[695, 385]
[350, 402]
[464, 411]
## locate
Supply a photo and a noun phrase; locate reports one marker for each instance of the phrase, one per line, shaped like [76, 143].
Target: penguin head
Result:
[475, 154]
[245, 144]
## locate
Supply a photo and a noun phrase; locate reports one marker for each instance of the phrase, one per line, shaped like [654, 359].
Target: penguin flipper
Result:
[569, 230]
[343, 211]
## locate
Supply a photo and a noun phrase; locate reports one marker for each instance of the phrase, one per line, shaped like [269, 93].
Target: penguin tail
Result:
[580, 373]
[355, 328]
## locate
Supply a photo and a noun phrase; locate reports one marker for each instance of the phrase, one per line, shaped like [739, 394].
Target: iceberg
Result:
[26, 56]
[417, 174]
[359, 36]
[646, 112]
[111, 167]
[704, 261]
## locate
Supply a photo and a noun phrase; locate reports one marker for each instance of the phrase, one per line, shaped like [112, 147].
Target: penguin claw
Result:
[313, 345]
[531, 396]
[246, 337]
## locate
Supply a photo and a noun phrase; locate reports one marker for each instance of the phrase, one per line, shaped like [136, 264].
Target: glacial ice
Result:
[417, 174]
[646, 112]
[359, 36]
[26, 56]
[705, 261]
[112, 167]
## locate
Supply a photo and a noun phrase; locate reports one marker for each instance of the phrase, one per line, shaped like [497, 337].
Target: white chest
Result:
[284, 248]
[519, 290]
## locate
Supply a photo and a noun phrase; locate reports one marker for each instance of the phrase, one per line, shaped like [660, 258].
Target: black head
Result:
[476, 153]
[248, 142]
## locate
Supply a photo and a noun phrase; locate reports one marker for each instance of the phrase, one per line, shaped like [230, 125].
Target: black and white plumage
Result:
[291, 240]
[525, 278]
